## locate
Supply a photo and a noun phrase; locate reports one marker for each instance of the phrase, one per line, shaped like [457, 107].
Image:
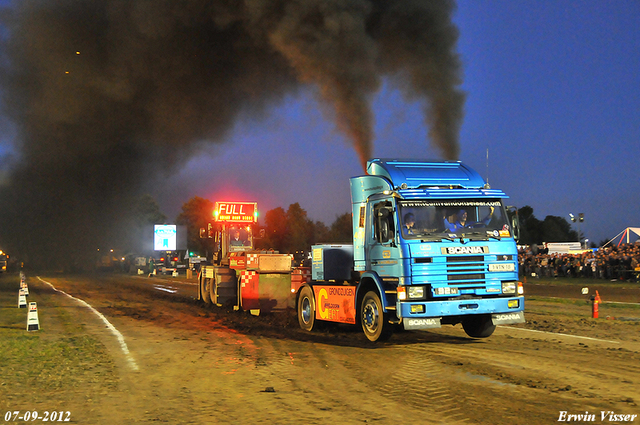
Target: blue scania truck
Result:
[432, 245]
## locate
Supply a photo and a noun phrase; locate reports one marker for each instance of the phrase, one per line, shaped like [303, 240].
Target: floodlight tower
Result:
[579, 220]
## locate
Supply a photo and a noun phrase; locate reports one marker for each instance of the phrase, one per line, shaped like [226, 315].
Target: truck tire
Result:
[307, 309]
[204, 290]
[375, 322]
[213, 293]
[478, 326]
[200, 285]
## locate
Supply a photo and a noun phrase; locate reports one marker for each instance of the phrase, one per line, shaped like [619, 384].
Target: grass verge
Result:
[59, 364]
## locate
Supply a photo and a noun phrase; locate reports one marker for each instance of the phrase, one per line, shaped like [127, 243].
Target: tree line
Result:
[291, 230]
[286, 231]
[552, 229]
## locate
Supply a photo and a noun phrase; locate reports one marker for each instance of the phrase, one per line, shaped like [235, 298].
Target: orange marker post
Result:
[595, 305]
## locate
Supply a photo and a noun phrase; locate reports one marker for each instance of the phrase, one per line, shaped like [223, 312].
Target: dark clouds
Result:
[105, 93]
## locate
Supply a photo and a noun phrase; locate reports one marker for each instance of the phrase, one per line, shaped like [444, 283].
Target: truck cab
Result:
[438, 245]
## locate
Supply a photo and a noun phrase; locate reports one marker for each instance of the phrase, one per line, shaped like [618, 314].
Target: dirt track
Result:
[192, 364]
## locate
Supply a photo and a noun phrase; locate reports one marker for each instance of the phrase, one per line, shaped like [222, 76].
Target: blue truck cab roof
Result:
[415, 179]
[412, 174]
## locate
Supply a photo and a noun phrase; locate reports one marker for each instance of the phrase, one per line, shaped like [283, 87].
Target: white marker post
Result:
[23, 284]
[32, 318]
[22, 299]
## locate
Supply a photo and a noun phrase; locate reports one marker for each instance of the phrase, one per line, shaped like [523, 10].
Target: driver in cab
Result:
[236, 240]
[409, 222]
[460, 222]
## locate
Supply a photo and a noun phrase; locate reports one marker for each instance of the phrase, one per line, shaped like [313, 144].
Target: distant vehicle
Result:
[169, 262]
[108, 259]
[3, 261]
[241, 276]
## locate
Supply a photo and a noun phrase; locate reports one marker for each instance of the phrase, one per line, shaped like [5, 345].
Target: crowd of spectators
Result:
[611, 263]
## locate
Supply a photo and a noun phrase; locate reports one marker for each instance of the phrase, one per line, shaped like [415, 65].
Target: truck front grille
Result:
[465, 269]
[466, 259]
[462, 277]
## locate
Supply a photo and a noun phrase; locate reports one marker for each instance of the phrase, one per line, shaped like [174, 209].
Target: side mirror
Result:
[382, 212]
[515, 222]
[383, 225]
[383, 228]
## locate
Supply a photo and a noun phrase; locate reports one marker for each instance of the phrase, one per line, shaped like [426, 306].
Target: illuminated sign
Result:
[165, 237]
[236, 212]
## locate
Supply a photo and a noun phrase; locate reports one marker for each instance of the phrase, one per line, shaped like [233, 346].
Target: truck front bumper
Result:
[429, 314]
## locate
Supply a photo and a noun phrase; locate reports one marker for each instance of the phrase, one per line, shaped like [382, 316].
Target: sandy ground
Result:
[191, 364]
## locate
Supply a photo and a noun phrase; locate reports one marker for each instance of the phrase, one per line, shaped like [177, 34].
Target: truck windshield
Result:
[443, 218]
[240, 239]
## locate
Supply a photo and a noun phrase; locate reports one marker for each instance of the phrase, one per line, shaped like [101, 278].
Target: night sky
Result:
[552, 94]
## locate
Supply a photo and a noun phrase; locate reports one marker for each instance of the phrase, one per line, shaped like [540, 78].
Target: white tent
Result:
[626, 236]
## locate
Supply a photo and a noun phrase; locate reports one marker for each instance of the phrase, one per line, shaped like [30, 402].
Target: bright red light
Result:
[236, 212]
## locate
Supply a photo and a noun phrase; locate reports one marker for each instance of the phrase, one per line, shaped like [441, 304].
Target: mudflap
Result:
[508, 318]
[226, 287]
[421, 323]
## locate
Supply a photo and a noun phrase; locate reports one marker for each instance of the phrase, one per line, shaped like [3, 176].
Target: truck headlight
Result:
[410, 293]
[509, 287]
[415, 292]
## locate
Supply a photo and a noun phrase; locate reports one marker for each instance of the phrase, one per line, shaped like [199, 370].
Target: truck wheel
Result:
[478, 326]
[375, 323]
[307, 309]
[204, 290]
[213, 294]
[200, 287]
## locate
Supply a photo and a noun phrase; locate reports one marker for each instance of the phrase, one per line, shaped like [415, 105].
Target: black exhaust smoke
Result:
[105, 93]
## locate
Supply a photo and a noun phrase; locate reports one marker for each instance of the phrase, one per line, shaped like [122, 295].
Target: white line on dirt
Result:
[166, 289]
[123, 344]
[555, 333]
[618, 302]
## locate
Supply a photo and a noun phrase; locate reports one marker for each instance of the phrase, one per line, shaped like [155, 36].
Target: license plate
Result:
[508, 267]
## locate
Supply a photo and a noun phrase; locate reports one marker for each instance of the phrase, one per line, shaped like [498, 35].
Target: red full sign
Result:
[235, 212]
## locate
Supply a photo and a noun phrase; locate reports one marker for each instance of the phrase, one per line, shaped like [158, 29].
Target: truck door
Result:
[383, 252]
